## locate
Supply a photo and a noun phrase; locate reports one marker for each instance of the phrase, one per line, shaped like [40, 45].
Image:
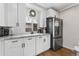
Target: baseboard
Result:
[68, 47]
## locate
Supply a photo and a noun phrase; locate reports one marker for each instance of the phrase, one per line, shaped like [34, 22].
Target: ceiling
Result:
[56, 6]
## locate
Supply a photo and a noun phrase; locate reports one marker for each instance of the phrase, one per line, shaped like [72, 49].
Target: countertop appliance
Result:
[4, 31]
[54, 26]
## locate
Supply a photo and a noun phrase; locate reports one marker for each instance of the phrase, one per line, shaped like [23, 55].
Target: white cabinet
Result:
[21, 17]
[26, 46]
[44, 18]
[13, 47]
[2, 22]
[52, 13]
[42, 44]
[10, 14]
[40, 19]
[39, 45]
[20, 47]
[29, 49]
[46, 42]
[1, 47]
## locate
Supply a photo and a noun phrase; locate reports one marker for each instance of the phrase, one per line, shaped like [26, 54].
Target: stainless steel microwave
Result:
[4, 31]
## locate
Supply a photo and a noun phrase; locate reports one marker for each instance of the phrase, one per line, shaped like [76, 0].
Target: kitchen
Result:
[28, 29]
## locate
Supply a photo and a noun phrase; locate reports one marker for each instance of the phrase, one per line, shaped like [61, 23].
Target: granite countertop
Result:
[21, 36]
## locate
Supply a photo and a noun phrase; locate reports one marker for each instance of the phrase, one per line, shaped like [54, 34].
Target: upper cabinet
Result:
[2, 22]
[42, 18]
[52, 13]
[10, 14]
[21, 13]
[13, 15]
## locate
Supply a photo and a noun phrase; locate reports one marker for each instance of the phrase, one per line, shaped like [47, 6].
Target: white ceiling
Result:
[56, 6]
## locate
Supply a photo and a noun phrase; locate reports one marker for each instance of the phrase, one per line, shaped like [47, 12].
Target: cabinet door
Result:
[21, 17]
[41, 19]
[2, 47]
[52, 13]
[11, 14]
[39, 45]
[2, 20]
[13, 47]
[29, 49]
[42, 44]
[46, 42]
[44, 18]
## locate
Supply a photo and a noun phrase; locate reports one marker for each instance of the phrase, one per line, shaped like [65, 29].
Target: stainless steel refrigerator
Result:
[54, 26]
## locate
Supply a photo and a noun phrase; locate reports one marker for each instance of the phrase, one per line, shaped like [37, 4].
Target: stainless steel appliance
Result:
[55, 28]
[4, 31]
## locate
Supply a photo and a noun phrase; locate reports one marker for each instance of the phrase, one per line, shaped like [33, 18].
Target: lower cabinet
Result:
[46, 44]
[20, 47]
[13, 47]
[42, 44]
[39, 45]
[29, 49]
[27, 46]
[2, 47]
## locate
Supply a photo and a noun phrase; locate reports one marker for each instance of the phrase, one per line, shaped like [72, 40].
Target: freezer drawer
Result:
[57, 43]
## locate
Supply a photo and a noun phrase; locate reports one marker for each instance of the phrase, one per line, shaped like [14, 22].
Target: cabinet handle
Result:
[17, 24]
[30, 39]
[14, 41]
[23, 45]
[40, 37]
[44, 40]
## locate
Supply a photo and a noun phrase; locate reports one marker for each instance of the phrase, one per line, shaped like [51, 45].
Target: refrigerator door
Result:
[49, 25]
[57, 28]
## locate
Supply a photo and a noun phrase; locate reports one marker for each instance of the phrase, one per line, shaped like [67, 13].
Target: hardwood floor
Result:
[60, 52]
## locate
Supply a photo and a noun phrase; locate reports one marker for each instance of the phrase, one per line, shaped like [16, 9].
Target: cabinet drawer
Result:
[11, 43]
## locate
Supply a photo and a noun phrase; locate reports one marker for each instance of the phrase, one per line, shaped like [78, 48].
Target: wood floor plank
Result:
[60, 52]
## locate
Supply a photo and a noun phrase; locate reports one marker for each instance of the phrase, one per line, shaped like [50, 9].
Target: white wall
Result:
[70, 27]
